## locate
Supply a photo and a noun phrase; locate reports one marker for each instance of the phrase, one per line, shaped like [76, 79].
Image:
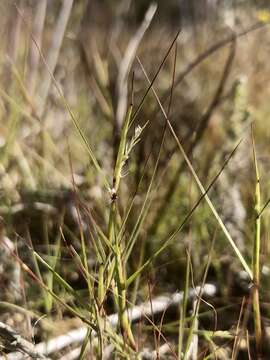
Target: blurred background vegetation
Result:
[59, 57]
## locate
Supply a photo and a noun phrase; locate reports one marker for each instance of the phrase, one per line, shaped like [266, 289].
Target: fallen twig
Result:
[11, 340]
[144, 310]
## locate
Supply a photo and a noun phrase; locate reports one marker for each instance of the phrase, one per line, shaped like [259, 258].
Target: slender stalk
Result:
[90, 284]
[198, 181]
[256, 255]
[115, 241]
[120, 273]
[183, 311]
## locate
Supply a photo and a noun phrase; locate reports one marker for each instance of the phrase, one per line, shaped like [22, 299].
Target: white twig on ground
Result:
[147, 354]
[13, 341]
[144, 310]
[72, 355]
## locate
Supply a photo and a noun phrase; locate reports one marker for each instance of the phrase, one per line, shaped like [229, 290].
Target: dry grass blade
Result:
[201, 187]
[203, 123]
[192, 338]
[256, 255]
[53, 53]
[168, 241]
[137, 111]
[11, 340]
[212, 50]
[38, 26]
[126, 63]
[239, 331]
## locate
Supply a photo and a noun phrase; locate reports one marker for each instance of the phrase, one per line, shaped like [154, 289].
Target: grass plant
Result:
[110, 199]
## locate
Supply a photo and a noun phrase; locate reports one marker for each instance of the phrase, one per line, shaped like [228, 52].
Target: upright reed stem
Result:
[256, 256]
[115, 240]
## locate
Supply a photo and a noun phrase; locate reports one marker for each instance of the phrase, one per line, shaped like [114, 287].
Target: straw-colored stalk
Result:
[115, 241]
[256, 256]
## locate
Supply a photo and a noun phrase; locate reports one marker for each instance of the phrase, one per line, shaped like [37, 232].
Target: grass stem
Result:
[256, 255]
